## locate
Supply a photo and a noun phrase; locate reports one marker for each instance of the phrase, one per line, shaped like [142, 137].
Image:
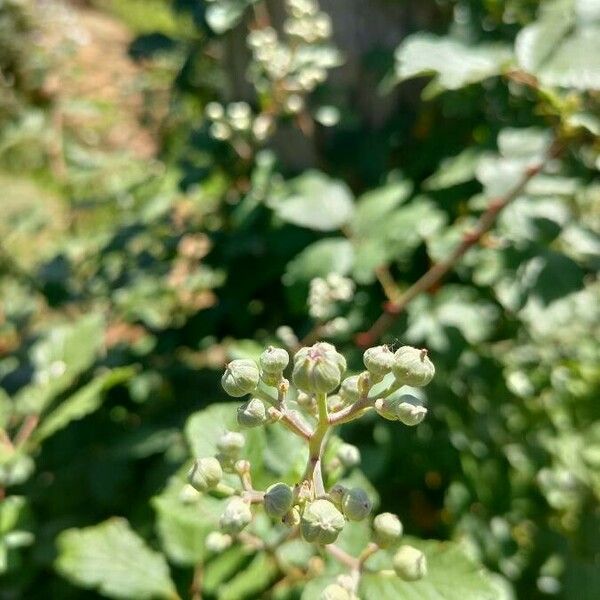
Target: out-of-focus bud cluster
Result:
[237, 122]
[324, 293]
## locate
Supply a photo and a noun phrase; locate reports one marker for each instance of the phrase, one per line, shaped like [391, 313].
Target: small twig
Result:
[196, 587]
[439, 270]
[343, 557]
[27, 428]
[4, 439]
[390, 289]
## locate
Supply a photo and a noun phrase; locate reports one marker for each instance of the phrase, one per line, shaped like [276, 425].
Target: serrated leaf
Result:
[451, 575]
[113, 559]
[333, 255]
[315, 201]
[83, 402]
[453, 63]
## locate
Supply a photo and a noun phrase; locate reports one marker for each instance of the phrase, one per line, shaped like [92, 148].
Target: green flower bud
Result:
[336, 494]
[348, 455]
[378, 361]
[217, 542]
[412, 366]
[321, 522]
[335, 592]
[356, 504]
[278, 500]
[230, 444]
[410, 564]
[318, 369]
[401, 407]
[410, 414]
[349, 392]
[251, 413]
[274, 360]
[240, 377]
[387, 529]
[236, 516]
[205, 474]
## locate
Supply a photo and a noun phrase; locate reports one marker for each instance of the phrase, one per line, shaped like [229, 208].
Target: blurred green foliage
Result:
[128, 278]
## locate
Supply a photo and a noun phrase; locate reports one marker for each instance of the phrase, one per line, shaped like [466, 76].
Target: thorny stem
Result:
[439, 270]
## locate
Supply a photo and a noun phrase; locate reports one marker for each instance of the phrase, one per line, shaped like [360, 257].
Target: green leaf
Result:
[113, 559]
[451, 575]
[250, 582]
[184, 524]
[374, 207]
[454, 170]
[332, 255]
[83, 402]
[453, 63]
[58, 358]
[223, 567]
[562, 48]
[316, 201]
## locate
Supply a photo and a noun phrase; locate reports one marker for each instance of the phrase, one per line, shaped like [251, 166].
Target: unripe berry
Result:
[318, 369]
[274, 360]
[321, 522]
[230, 444]
[217, 542]
[335, 591]
[236, 516]
[278, 500]
[336, 494]
[205, 474]
[240, 378]
[410, 564]
[387, 529]
[348, 455]
[412, 366]
[356, 504]
[251, 413]
[410, 414]
[404, 408]
[378, 361]
[349, 392]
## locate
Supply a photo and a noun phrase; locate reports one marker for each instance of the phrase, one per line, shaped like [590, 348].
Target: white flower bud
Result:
[348, 455]
[412, 366]
[230, 444]
[251, 413]
[240, 378]
[205, 474]
[236, 516]
[217, 542]
[387, 529]
[321, 522]
[410, 564]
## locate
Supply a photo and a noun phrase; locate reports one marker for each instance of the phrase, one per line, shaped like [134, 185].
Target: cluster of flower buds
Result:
[322, 393]
[307, 22]
[237, 123]
[324, 293]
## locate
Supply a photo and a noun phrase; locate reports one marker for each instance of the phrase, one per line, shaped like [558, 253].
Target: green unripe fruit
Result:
[404, 408]
[410, 564]
[230, 444]
[274, 360]
[205, 474]
[217, 542]
[378, 361]
[240, 378]
[349, 391]
[348, 455]
[335, 591]
[321, 522]
[387, 529]
[236, 516]
[410, 414]
[318, 369]
[251, 413]
[412, 366]
[278, 500]
[356, 504]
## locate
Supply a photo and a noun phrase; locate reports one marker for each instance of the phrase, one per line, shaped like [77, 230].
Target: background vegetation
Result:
[145, 240]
